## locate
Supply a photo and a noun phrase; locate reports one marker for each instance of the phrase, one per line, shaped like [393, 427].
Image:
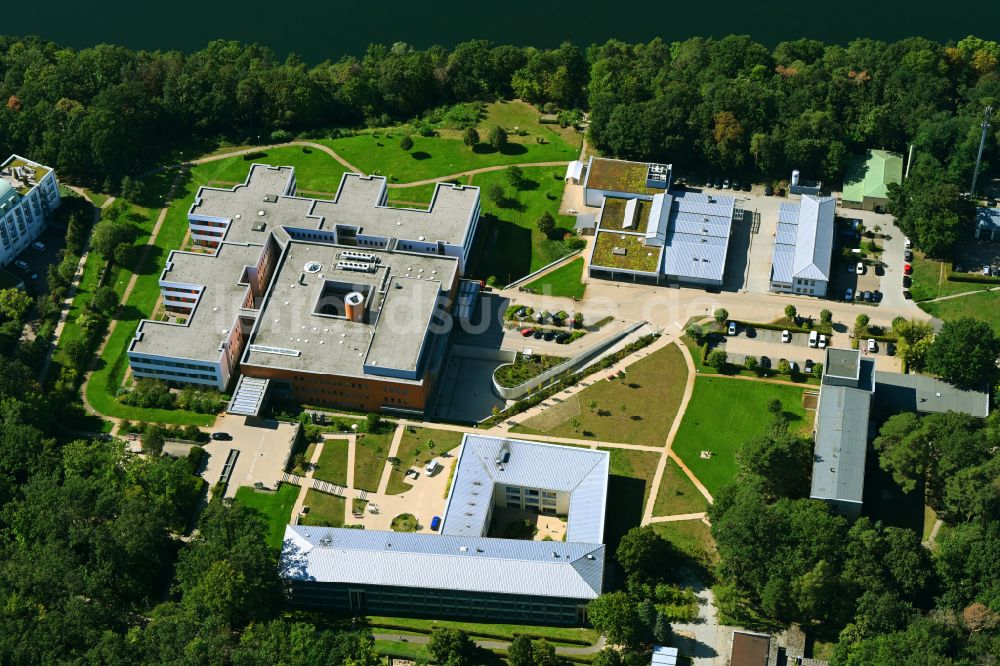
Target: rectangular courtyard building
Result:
[29, 193]
[841, 431]
[462, 572]
[803, 246]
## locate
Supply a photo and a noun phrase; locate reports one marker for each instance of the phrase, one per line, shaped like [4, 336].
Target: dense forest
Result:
[100, 113]
[92, 565]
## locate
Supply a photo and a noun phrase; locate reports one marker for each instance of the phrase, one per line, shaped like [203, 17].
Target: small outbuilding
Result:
[574, 172]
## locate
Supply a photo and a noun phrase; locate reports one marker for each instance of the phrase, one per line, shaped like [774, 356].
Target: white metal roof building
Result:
[460, 572]
[803, 246]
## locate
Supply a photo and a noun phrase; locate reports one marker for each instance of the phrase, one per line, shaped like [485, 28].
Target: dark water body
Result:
[321, 29]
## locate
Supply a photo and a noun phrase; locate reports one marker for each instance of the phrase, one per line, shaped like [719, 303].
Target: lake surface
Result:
[321, 29]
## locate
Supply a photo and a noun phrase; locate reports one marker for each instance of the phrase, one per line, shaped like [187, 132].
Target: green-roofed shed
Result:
[866, 181]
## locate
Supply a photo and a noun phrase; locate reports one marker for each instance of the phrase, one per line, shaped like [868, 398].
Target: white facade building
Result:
[803, 246]
[29, 193]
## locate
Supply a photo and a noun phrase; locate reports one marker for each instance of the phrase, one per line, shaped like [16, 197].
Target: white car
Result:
[871, 345]
[39, 246]
[786, 336]
[813, 338]
[431, 467]
[822, 342]
[861, 268]
[732, 328]
[907, 243]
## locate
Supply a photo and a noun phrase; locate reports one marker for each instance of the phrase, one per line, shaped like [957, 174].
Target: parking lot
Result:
[54, 239]
[760, 343]
[264, 448]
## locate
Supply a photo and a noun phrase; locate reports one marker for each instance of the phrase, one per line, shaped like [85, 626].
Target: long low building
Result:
[324, 313]
[803, 246]
[462, 572]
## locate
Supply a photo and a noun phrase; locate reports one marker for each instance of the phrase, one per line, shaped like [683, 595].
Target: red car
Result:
[527, 332]
[907, 269]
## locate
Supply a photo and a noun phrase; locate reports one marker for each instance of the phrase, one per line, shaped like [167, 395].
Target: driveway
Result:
[264, 447]
[768, 343]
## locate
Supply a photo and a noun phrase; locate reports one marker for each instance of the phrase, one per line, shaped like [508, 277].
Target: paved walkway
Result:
[474, 172]
[300, 502]
[677, 517]
[397, 437]
[960, 295]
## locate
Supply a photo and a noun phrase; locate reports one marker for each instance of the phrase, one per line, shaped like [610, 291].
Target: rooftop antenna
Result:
[982, 144]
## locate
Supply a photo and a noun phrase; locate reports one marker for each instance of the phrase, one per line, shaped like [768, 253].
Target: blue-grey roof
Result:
[429, 561]
[697, 235]
[988, 218]
[583, 473]
[803, 243]
[921, 393]
[842, 437]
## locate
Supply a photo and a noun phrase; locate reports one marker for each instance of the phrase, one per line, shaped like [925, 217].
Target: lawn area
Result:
[369, 459]
[690, 536]
[332, 464]
[984, 305]
[415, 452]
[722, 415]
[276, 507]
[677, 495]
[325, 510]
[508, 242]
[378, 151]
[563, 281]
[639, 465]
[637, 409]
[930, 279]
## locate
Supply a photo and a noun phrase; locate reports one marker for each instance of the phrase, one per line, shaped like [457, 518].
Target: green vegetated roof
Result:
[636, 257]
[870, 175]
[613, 214]
[619, 176]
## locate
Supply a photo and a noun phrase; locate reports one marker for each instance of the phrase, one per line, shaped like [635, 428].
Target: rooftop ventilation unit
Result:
[312, 267]
[356, 266]
[353, 255]
[504, 455]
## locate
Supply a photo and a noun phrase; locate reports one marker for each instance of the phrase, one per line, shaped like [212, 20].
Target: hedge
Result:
[973, 277]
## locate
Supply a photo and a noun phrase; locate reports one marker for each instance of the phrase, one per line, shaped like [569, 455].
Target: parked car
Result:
[907, 295]
[38, 245]
[718, 183]
[221, 436]
[813, 338]
[768, 191]
[527, 332]
[849, 294]
[435, 523]
[860, 268]
[786, 336]
[855, 224]
[872, 345]
[747, 186]
[890, 348]
[851, 268]
[808, 366]
[908, 255]
[736, 183]
[907, 243]
[521, 312]
[867, 296]
[23, 265]
[765, 362]
[732, 328]
[537, 334]
[725, 184]
[563, 338]
[907, 269]
[431, 466]
[549, 335]
[877, 296]
[986, 270]
[907, 280]
[822, 342]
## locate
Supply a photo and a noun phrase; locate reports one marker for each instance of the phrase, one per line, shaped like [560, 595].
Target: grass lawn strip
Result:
[677, 495]
[276, 507]
[332, 464]
[370, 453]
[565, 281]
[722, 415]
[637, 409]
[414, 453]
[635, 464]
[930, 279]
[325, 510]
[690, 536]
[489, 630]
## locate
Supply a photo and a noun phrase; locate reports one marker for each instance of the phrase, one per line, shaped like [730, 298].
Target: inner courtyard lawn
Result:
[636, 409]
[370, 454]
[508, 242]
[332, 463]
[415, 451]
[275, 506]
[325, 510]
[725, 413]
[564, 281]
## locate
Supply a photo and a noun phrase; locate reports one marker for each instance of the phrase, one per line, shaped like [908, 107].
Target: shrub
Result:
[195, 457]
[497, 138]
[148, 393]
[470, 137]
[717, 359]
[695, 331]
[406, 143]
[281, 136]
[721, 315]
